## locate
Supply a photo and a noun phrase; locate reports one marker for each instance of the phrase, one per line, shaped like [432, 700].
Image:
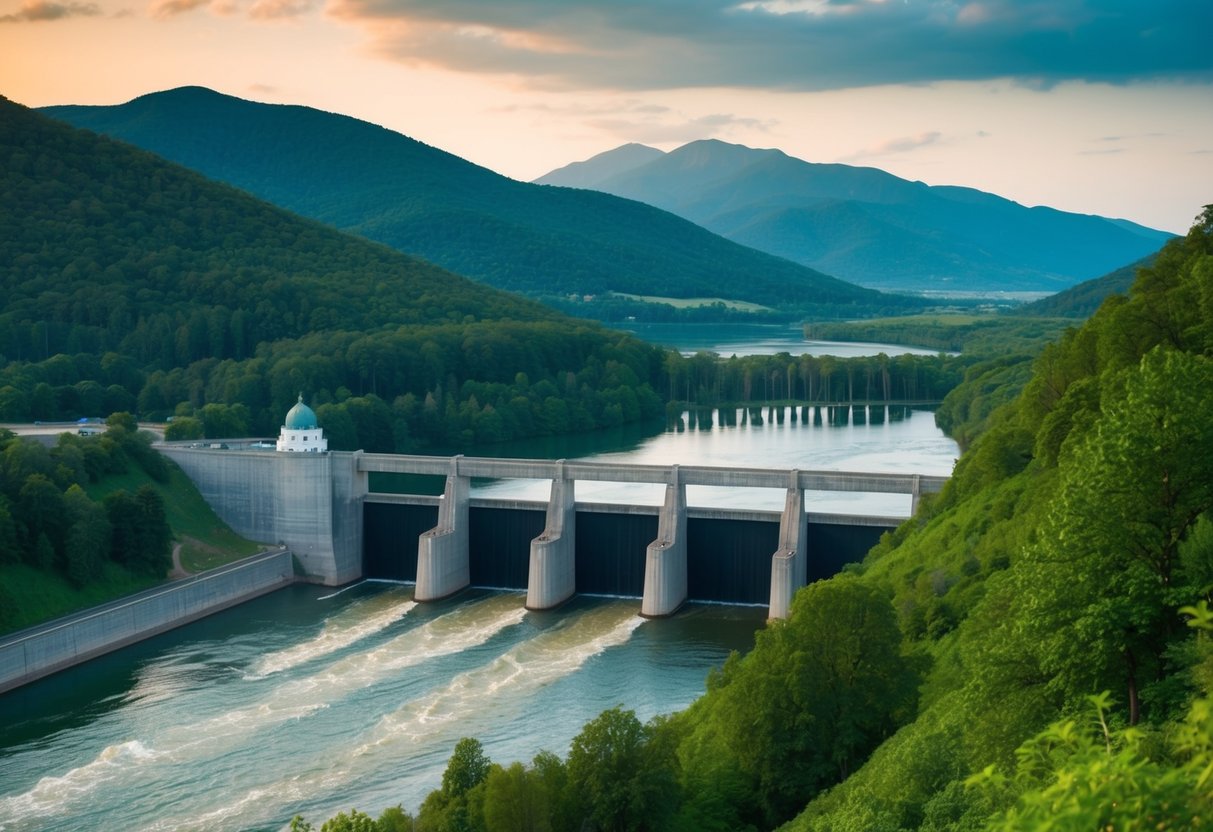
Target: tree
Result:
[10, 549]
[815, 696]
[355, 821]
[516, 800]
[467, 768]
[154, 537]
[620, 786]
[449, 809]
[183, 427]
[88, 536]
[124, 421]
[40, 507]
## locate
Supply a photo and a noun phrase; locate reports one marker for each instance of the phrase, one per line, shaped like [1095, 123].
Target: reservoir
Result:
[314, 700]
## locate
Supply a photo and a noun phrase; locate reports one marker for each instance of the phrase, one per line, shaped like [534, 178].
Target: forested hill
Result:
[130, 283]
[388, 187]
[100, 241]
[1082, 300]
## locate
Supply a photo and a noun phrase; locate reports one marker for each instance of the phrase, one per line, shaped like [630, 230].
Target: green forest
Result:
[1032, 650]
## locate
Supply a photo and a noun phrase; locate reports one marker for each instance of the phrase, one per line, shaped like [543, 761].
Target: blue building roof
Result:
[300, 417]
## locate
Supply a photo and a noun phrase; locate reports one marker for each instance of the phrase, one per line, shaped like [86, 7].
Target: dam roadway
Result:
[320, 506]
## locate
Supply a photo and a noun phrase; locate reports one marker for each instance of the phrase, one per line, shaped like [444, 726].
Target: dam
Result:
[321, 507]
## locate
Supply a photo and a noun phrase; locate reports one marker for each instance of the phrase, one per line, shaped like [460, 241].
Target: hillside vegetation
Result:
[1082, 300]
[92, 518]
[1033, 650]
[551, 242]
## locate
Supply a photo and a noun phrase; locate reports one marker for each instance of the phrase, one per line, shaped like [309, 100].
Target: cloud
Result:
[678, 130]
[260, 10]
[902, 144]
[34, 11]
[279, 9]
[647, 122]
[164, 9]
[793, 44]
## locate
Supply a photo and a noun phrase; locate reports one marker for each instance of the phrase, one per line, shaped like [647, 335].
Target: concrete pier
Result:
[790, 563]
[665, 566]
[552, 576]
[442, 552]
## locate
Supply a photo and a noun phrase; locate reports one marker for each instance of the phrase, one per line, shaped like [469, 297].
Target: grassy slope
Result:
[206, 542]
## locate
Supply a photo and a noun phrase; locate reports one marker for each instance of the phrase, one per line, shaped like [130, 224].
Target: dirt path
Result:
[179, 571]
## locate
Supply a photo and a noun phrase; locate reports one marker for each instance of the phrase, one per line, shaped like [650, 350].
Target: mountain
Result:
[867, 226]
[385, 186]
[1082, 300]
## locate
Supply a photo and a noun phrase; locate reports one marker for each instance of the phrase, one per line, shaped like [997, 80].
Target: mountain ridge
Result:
[871, 227]
[393, 189]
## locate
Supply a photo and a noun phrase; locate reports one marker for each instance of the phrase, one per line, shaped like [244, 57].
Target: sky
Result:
[1094, 106]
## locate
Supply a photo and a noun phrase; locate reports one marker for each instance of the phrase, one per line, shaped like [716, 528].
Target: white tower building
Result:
[300, 432]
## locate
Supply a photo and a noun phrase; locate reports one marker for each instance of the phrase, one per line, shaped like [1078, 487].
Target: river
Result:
[313, 700]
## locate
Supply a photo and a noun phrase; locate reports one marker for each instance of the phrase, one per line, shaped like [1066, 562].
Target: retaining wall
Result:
[39, 651]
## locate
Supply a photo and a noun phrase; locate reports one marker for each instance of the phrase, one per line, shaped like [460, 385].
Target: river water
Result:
[313, 700]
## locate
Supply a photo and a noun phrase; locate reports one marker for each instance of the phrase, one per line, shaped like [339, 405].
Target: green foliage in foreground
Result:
[948, 683]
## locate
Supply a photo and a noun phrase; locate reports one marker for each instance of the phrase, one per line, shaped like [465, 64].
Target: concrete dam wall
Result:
[318, 506]
[310, 503]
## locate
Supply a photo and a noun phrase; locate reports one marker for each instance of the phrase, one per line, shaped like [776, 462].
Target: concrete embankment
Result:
[39, 651]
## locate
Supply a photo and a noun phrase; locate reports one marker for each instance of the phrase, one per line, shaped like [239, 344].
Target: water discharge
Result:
[364, 712]
[464, 627]
[425, 729]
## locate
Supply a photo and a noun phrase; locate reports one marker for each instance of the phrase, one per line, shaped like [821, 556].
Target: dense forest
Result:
[1033, 650]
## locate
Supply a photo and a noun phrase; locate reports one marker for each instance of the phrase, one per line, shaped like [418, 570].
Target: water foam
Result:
[338, 632]
[465, 627]
[52, 795]
[530, 665]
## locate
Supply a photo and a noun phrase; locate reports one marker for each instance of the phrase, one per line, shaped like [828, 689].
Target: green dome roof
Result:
[300, 417]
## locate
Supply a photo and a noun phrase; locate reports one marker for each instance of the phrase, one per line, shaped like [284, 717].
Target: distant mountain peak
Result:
[590, 172]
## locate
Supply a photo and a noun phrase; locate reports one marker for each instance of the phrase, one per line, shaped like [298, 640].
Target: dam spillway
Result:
[729, 552]
[321, 507]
